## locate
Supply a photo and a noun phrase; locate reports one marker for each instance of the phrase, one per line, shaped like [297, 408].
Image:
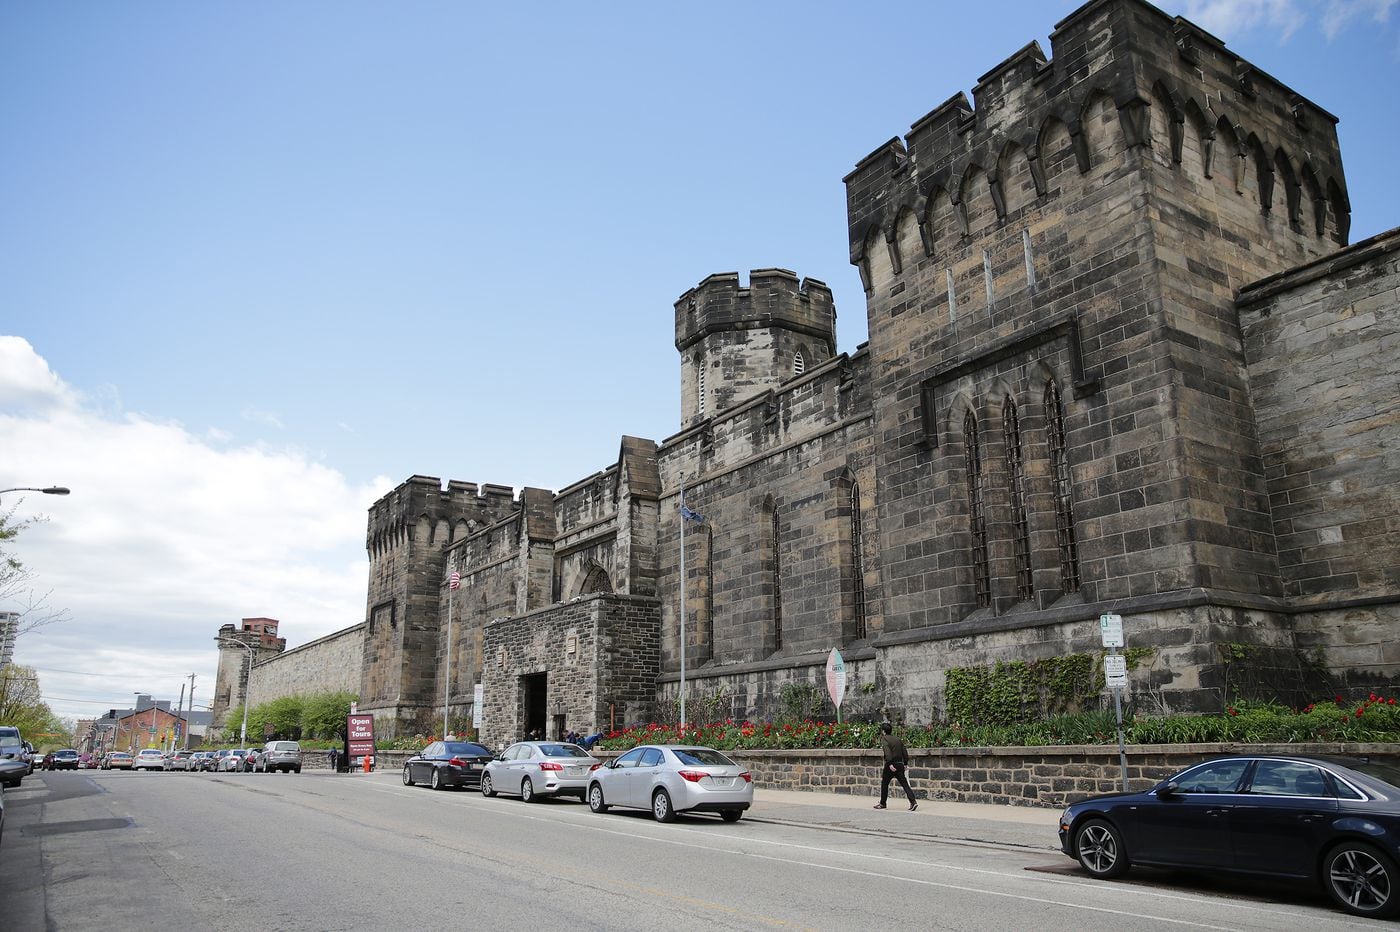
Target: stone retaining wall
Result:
[1049, 777]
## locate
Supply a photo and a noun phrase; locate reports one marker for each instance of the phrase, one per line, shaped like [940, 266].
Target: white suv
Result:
[149, 759]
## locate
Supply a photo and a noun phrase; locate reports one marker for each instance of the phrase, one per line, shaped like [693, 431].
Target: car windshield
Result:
[702, 757]
[285, 746]
[9, 741]
[562, 750]
[460, 747]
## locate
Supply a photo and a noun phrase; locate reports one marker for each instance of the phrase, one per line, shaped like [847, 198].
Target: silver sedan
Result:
[671, 778]
[533, 769]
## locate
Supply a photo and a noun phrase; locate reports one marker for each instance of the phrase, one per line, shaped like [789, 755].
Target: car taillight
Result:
[746, 777]
[693, 776]
[595, 766]
[550, 765]
[456, 762]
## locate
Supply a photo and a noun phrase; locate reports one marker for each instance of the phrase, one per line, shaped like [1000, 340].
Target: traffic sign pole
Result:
[1115, 674]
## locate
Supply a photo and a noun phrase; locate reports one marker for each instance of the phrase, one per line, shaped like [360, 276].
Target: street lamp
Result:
[247, 682]
[51, 490]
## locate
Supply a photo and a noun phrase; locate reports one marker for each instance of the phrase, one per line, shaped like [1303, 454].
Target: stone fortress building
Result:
[1120, 359]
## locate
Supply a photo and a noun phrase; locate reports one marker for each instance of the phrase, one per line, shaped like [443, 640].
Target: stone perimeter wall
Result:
[1043, 777]
[329, 664]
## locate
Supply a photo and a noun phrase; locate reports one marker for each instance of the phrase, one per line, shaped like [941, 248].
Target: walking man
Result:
[896, 762]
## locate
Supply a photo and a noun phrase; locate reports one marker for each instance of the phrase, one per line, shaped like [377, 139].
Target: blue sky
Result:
[258, 262]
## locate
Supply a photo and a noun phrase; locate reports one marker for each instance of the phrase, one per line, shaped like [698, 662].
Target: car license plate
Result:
[471, 767]
[574, 771]
[721, 781]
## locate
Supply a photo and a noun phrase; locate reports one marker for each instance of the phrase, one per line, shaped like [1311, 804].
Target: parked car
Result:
[199, 761]
[1331, 822]
[236, 760]
[87, 762]
[532, 769]
[670, 779]
[280, 755]
[149, 759]
[118, 760]
[445, 764]
[178, 760]
[9, 769]
[13, 747]
[66, 759]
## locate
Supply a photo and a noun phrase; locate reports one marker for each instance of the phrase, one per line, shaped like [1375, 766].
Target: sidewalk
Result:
[971, 823]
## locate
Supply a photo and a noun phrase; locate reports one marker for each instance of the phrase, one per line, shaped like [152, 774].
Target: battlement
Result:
[1109, 54]
[448, 512]
[773, 297]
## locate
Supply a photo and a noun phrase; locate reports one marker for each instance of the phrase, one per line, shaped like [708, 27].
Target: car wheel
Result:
[661, 807]
[595, 799]
[731, 815]
[527, 791]
[486, 788]
[297, 770]
[1361, 880]
[436, 780]
[1100, 850]
[407, 777]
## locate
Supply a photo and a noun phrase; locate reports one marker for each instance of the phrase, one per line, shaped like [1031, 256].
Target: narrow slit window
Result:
[1064, 497]
[777, 584]
[1016, 477]
[857, 566]
[977, 521]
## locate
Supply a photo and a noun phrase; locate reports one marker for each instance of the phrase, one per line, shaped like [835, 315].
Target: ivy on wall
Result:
[1011, 692]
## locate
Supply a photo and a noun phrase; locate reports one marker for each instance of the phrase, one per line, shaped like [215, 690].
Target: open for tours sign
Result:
[359, 729]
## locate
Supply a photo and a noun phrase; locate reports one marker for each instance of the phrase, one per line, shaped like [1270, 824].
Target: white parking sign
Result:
[1111, 629]
[1115, 671]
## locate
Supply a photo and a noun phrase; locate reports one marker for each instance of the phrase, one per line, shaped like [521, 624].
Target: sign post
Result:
[1115, 675]
[836, 680]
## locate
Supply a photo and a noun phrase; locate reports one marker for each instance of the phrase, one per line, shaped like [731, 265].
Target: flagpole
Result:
[682, 517]
[447, 678]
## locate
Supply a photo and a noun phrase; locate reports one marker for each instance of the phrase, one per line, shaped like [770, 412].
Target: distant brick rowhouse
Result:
[1120, 359]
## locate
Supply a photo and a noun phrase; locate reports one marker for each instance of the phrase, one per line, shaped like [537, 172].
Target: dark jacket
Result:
[894, 750]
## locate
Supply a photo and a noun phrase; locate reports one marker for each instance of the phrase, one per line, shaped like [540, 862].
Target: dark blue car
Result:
[1333, 822]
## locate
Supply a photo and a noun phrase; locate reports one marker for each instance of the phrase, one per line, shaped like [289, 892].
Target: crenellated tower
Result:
[739, 342]
[408, 533]
[1051, 270]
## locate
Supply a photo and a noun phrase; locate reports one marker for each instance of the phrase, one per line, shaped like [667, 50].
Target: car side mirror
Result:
[1169, 788]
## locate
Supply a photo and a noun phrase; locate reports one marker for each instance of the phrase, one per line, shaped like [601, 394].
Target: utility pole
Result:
[179, 712]
[191, 712]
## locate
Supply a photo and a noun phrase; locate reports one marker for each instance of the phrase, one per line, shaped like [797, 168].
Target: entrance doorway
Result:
[535, 703]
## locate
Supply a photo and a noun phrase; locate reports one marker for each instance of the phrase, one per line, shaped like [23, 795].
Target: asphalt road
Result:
[121, 851]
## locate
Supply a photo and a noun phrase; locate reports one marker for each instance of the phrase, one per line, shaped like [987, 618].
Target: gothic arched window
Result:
[1016, 478]
[799, 365]
[1063, 485]
[976, 519]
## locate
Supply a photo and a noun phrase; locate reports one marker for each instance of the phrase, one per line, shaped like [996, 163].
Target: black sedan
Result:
[447, 763]
[1331, 822]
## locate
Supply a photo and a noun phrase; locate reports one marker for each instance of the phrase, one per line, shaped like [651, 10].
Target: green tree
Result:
[22, 705]
[323, 715]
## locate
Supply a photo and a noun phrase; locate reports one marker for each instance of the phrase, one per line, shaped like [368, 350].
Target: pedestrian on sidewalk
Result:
[331, 754]
[896, 763]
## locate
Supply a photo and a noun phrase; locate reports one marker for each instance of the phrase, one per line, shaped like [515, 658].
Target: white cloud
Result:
[266, 418]
[26, 381]
[1340, 14]
[1230, 18]
[166, 536]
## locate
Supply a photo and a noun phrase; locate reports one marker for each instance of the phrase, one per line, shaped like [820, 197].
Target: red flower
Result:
[1390, 702]
[1359, 710]
[1234, 711]
[1339, 700]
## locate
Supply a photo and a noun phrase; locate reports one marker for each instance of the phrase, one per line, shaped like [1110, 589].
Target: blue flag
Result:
[689, 515]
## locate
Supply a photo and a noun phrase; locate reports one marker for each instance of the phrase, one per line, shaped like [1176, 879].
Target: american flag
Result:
[454, 581]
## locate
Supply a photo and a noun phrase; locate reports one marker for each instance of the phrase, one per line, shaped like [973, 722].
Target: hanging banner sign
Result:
[836, 677]
[477, 696]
